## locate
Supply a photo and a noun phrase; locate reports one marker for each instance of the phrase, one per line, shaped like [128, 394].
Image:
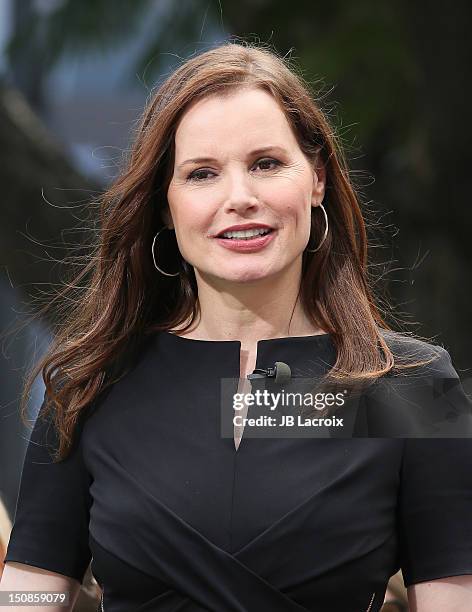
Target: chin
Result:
[243, 276]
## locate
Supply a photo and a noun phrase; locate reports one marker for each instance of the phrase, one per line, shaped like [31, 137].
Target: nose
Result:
[240, 193]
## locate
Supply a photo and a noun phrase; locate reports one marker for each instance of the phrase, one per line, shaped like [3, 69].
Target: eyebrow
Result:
[204, 160]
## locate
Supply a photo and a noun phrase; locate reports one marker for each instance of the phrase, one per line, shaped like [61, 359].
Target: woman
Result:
[231, 241]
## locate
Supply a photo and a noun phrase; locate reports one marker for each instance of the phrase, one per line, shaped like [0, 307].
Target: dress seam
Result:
[232, 504]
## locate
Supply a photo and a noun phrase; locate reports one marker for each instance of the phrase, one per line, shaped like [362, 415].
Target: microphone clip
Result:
[281, 372]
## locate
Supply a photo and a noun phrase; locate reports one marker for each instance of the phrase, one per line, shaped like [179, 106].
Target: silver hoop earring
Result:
[154, 259]
[325, 232]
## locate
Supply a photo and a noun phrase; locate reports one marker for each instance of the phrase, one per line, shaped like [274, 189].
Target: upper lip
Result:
[247, 226]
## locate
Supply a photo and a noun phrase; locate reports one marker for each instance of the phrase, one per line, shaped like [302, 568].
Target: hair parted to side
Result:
[118, 299]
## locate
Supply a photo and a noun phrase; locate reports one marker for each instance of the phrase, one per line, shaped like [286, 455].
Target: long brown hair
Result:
[117, 299]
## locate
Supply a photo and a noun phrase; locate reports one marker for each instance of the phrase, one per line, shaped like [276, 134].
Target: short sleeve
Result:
[51, 524]
[435, 502]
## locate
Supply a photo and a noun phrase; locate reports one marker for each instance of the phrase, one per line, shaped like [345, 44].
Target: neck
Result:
[250, 311]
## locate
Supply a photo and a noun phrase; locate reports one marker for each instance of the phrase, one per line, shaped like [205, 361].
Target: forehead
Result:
[246, 117]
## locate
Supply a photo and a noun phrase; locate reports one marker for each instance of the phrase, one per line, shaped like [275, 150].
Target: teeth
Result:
[245, 234]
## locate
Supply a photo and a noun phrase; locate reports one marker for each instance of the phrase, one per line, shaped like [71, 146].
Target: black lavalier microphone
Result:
[281, 372]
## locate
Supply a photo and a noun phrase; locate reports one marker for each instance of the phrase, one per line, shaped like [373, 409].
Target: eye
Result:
[268, 161]
[201, 174]
[198, 175]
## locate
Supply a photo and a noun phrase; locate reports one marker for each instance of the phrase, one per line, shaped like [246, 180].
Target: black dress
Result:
[175, 519]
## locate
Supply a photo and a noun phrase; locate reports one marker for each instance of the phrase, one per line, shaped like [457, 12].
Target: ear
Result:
[167, 218]
[319, 181]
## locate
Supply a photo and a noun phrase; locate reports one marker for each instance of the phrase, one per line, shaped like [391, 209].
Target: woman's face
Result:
[237, 162]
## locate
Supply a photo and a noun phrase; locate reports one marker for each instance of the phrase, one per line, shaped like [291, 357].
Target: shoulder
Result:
[425, 399]
[404, 346]
[423, 358]
[128, 376]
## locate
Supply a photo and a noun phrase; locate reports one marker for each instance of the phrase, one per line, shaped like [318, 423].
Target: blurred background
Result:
[392, 76]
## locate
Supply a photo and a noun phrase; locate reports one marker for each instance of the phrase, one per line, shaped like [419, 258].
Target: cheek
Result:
[289, 198]
[292, 209]
[292, 205]
[180, 201]
[189, 212]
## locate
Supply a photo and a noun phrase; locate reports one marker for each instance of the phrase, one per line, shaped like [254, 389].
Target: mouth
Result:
[247, 235]
[246, 241]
